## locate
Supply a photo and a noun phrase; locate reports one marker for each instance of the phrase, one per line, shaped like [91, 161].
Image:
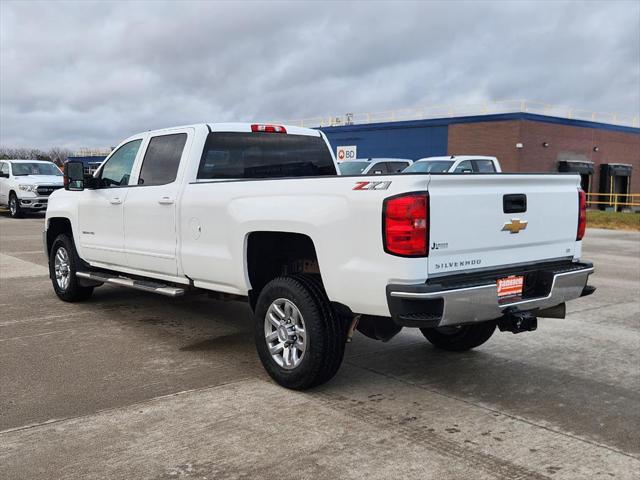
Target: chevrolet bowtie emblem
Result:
[515, 225]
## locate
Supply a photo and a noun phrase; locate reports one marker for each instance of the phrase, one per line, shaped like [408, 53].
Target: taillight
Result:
[582, 214]
[268, 128]
[405, 226]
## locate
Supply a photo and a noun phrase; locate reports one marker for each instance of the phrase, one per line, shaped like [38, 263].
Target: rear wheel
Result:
[300, 341]
[14, 206]
[63, 265]
[459, 338]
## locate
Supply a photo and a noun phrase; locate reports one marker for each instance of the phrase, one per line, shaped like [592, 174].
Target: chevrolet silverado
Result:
[260, 213]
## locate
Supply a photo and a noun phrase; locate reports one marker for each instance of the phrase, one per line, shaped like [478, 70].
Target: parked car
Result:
[25, 185]
[237, 210]
[455, 164]
[373, 166]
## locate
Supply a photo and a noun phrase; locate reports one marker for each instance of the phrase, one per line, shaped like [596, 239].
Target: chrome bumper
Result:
[36, 203]
[478, 303]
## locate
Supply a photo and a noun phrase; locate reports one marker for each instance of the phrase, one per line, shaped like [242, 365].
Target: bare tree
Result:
[23, 153]
[59, 155]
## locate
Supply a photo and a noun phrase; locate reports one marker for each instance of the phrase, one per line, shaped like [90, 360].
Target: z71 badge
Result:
[372, 185]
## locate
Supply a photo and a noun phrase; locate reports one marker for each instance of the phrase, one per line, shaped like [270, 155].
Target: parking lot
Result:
[134, 385]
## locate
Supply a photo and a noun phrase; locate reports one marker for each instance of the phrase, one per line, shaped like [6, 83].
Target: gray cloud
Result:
[90, 73]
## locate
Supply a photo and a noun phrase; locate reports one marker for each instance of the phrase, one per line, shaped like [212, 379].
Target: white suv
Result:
[25, 185]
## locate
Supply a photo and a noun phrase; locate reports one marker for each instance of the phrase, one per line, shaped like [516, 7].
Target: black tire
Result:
[325, 332]
[14, 206]
[460, 339]
[72, 291]
[337, 326]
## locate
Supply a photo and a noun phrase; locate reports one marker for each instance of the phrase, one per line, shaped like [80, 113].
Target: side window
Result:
[484, 166]
[397, 167]
[379, 168]
[117, 170]
[162, 159]
[464, 167]
[4, 168]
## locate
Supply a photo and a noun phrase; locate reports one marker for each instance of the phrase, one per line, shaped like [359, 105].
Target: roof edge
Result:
[496, 117]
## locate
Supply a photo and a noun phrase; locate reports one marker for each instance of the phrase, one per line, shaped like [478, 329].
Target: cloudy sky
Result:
[79, 74]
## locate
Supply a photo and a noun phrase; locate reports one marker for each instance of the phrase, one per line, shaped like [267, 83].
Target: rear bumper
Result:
[464, 299]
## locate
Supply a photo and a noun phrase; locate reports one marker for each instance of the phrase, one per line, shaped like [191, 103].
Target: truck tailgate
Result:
[469, 229]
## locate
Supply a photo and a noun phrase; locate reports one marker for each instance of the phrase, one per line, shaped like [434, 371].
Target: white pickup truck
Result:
[455, 164]
[259, 212]
[25, 185]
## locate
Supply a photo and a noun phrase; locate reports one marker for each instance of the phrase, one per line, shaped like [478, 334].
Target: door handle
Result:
[115, 201]
[165, 201]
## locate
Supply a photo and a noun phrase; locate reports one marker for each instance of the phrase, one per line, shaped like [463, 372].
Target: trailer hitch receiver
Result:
[517, 322]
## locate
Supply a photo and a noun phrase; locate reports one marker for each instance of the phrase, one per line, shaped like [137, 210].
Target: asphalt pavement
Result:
[135, 385]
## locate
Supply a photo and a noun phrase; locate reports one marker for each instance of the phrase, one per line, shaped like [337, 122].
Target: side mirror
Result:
[74, 176]
[377, 172]
[4, 175]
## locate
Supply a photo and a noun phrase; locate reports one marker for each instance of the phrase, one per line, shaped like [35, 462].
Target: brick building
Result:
[523, 142]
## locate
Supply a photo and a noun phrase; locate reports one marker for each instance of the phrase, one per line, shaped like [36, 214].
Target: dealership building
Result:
[607, 156]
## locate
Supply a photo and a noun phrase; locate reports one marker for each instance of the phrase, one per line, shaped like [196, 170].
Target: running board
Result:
[144, 285]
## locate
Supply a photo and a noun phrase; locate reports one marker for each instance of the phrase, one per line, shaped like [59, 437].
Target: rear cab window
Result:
[484, 166]
[238, 155]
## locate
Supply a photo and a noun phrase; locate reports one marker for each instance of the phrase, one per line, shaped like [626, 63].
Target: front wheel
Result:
[63, 265]
[459, 338]
[300, 340]
[14, 206]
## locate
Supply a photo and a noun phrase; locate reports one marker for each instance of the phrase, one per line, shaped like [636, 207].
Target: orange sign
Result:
[510, 286]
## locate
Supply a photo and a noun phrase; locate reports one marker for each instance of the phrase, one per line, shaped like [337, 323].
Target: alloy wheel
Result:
[62, 268]
[285, 333]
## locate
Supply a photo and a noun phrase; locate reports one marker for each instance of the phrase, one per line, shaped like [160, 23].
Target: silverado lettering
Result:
[461, 263]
